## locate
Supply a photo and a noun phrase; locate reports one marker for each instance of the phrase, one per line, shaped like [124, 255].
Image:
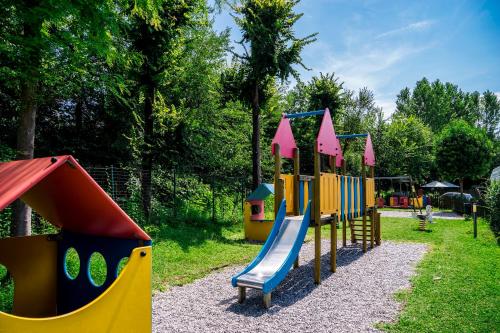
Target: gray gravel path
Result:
[353, 299]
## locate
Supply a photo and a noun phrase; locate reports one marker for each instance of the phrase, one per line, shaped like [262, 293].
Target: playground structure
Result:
[302, 200]
[257, 227]
[47, 298]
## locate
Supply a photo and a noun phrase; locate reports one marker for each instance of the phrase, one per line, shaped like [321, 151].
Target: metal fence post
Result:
[474, 217]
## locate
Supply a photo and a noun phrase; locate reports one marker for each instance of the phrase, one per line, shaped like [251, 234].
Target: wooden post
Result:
[363, 175]
[333, 227]
[373, 212]
[474, 217]
[378, 238]
[278, 193]
[296, 190]
[242, 294]
[317, 215]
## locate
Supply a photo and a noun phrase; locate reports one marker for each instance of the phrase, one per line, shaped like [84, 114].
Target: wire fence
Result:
[175, 193]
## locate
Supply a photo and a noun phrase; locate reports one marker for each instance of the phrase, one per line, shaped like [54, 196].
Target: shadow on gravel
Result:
[298, 284]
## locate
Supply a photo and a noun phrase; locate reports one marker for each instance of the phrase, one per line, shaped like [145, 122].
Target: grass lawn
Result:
[456, 288]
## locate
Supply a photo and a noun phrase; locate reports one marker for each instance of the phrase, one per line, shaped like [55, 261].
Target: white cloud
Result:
[416, 26]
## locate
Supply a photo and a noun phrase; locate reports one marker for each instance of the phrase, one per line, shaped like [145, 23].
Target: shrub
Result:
[493, 203]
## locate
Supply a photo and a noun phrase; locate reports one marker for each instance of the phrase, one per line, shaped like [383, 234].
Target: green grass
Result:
[456, 288]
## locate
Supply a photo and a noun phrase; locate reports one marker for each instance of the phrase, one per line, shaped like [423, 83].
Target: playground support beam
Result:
[373, 223]
[296, 189]
[352, 136]
[317, 215]
[333, 227]
[363, 174]
[278, 183]
[304, 114]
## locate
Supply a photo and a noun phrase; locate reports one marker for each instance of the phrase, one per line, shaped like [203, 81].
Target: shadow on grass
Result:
[194, 235]
[298, 284]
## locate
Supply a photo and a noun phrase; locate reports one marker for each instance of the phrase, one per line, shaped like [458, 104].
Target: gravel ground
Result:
[407, 214]
[353, 299]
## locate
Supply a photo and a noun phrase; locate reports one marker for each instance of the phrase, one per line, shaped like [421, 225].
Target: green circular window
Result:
[121, 265]
[97, 269]
[72, 263]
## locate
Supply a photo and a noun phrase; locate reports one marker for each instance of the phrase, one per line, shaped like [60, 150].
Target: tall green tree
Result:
[157, 43]
[436, 103]
[271, 49]
[407, 148]
[38, 37]
[463, 152]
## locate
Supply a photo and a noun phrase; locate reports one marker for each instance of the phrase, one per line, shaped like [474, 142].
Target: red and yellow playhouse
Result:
[46, 297]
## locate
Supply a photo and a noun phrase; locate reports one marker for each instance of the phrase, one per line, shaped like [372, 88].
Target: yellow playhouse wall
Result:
[124, 307]
[32, 262]
[328, 194]
[255, 230]
[289, 192]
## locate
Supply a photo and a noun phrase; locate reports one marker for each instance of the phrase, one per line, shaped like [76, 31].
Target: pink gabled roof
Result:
[327, 140]
[63, 193]
[369, 155]
[340, 156]
[284, 137]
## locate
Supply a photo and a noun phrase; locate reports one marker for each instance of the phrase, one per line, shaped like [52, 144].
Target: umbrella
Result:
[436, 184]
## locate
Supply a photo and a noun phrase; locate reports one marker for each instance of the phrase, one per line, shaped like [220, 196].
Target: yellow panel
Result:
[289, 193]
[346, 197]
[338, 197]
[32, 262]
[124, 307]
[328, 186]
[255, 230]
[306, 194]
[370, 192]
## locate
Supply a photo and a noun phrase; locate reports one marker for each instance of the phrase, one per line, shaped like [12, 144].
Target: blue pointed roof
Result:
[261, 192]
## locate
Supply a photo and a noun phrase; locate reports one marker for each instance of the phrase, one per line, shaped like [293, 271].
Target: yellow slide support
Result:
[124, 307]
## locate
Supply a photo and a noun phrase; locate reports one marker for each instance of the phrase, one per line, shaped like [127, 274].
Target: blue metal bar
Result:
[350, 136]
[305, 114]
[355, 197]
[349, 179]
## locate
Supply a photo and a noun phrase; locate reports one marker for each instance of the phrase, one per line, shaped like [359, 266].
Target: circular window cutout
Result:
[97, 269]
[121, 265]
[71, 263]
[6, 290]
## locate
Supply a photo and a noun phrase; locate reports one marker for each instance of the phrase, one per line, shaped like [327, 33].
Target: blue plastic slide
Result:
[277, 256]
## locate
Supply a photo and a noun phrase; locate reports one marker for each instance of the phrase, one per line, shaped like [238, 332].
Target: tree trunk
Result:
[25, 148]
[147, 153]
[256, 165]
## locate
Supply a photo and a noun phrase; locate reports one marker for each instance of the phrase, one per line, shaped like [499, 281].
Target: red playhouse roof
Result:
[369, 154]
[61, 191]
[327, 140]
[284, 137]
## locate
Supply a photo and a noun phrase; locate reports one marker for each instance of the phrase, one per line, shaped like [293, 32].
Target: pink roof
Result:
[284, 137]
[340, 156]
[369, 154]
[327, 140]
[61, 191]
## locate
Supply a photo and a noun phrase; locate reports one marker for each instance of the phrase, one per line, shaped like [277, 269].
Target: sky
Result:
[388, 45]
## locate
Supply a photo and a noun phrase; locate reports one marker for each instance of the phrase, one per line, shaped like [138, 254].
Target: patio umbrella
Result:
[435, 184]
[450, 185]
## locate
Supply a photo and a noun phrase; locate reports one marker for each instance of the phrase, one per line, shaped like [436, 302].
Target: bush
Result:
[493, 203]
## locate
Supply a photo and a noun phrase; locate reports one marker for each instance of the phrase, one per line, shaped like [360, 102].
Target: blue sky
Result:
[388, 45]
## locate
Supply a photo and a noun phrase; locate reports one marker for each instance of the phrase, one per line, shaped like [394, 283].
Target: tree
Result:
[463, 152]
[36, 36]
[267, 28]
[490, 114]
[407, 148]
[437, 103]
[155, 41]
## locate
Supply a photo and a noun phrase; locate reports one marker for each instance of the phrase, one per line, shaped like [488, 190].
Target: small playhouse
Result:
[257, 227]
[46, 297]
